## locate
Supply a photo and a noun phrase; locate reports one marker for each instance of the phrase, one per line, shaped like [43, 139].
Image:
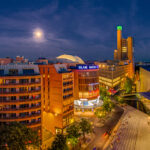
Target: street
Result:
[99, 139]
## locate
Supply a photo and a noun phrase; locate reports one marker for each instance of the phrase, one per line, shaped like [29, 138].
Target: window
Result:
[23, 89]
[12, 81]
[13, 71]
[13, 97]
[21, 81]
[13, 115]
[13, 106]
[12, 90]
[32, 80]
[1, 72]
[28, 71]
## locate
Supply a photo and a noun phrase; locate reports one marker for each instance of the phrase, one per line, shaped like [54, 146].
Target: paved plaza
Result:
[133, 132]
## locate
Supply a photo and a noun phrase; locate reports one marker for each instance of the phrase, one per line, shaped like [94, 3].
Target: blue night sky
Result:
[86, 28]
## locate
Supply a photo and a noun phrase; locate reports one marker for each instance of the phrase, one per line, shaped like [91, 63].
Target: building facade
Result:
[112, 74]
[20, 95]
[5, 61]
[124, 51]
[86, 86]
[143, 81]
[58, 97]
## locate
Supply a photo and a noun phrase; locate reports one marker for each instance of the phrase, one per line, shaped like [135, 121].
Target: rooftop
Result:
[70, 59]
[18, 70]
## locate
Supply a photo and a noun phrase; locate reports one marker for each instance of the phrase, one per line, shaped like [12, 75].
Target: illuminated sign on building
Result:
[85, 67]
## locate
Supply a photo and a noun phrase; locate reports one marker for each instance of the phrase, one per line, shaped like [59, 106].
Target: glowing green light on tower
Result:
[119, 27]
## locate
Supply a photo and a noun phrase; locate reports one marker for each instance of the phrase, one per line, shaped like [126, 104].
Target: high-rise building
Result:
[58, 97]
[124, 50]
[124, 46]
[20, 95]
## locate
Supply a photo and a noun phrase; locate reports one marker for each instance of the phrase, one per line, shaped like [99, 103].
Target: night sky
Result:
[86, 28]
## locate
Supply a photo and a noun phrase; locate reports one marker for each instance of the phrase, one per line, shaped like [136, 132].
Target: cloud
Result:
[84, 28]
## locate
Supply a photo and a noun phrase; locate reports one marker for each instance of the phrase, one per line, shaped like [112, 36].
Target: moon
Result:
[38, 35]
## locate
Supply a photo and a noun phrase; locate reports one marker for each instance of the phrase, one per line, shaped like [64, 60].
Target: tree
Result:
[59, 143]
[103, 92]
[16, 136]
[108, 105]
[100, 113]
[128, 85]
[73, 133]
[73, 130]
[119, 99]
[85, 127]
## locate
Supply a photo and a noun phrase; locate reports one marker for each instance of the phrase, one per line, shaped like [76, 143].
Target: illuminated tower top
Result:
[119, 38]
[119, 28]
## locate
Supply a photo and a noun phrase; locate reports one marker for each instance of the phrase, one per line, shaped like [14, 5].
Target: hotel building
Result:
[58, 97]
[20, 95]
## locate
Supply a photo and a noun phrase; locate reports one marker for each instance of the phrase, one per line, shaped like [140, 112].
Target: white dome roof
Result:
[71, 58]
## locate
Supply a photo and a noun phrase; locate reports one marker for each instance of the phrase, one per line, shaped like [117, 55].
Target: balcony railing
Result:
[21, 117]
[34, 123]
[28, 83]
[19, 92]
[20, 101]
[18, 109]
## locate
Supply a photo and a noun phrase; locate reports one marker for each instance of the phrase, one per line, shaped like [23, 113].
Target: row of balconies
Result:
[20, 81]
[68, 96]
[30, 83]
[67, 83]
[3, 110]
[71, 108]
[20, 117]
[18, 92]
[68, 90]
[20, 101]
[37, 123]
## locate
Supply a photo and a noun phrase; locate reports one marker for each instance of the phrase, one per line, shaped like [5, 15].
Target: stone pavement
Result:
[133, 132]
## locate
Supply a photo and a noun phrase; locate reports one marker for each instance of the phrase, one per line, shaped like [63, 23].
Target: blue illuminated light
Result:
[86, 67]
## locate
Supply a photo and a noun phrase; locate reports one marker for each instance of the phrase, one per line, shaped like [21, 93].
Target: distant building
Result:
[20, 95]
[124, 50]
[5, 61]
[42, 60]
[20, 60]
[58, 97]
[112, 75]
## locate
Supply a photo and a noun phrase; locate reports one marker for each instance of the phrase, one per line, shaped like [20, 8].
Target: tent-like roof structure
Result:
[70, 59]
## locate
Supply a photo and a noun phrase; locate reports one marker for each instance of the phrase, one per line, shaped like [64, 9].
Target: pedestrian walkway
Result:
[133, 132]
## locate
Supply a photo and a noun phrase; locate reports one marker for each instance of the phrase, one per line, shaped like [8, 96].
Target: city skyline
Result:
[83, 28]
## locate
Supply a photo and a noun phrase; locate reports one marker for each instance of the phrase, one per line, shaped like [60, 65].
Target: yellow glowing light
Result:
[38, 35]
[69, 143]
